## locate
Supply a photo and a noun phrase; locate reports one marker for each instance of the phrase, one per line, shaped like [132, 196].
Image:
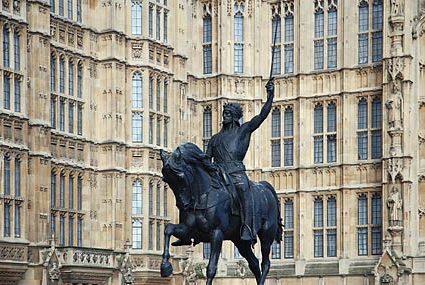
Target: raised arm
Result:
[258, 119]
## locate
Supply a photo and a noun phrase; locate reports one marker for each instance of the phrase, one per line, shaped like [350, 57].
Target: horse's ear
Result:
[163, 156]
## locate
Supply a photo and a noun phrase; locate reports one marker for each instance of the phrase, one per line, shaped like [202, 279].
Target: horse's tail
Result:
[280, 225]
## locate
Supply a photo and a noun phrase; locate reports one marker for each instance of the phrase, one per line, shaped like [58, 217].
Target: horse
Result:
[205, 212]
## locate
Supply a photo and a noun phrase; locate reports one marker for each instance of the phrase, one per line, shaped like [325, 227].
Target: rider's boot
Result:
[247, 230]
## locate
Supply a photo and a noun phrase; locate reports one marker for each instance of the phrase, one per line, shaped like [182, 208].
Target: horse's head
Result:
[185, 169]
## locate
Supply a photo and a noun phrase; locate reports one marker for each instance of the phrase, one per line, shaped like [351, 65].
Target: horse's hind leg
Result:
[245, 250]
[265, 254]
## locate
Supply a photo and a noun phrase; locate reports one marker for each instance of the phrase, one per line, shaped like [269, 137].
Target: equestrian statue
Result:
[215, 198]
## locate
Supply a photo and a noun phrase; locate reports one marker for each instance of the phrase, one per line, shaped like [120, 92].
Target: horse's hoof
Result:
[166, 269]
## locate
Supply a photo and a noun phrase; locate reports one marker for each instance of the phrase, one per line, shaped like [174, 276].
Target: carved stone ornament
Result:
[395, 68]
[421, 212]
[397, 7]
[394, 167]
[54, 272]
[394, 105]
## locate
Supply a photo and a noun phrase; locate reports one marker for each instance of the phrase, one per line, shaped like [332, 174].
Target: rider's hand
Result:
[270, 88]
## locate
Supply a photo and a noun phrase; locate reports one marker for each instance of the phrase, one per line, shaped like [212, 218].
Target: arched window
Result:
[137, 91]
[52, 73]
[137, 198]
[137, 235]
[80, 80]
[136, 17]
[6, 47]
[137, 127]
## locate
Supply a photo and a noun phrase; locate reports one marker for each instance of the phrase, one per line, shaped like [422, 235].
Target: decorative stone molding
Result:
[394, 166]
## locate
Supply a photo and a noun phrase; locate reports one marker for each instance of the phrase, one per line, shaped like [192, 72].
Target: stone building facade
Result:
[92, 90]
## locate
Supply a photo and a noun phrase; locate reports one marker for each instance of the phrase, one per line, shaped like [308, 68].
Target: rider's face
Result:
[227, 117]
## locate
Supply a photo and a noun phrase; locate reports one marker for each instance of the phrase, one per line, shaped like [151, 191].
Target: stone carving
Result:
[421, 212]
[396, 8]
[241, 268]
[395, 108]
[54, 272]
[6, 4]
[395, 68]
[395, 205]
[394, 167]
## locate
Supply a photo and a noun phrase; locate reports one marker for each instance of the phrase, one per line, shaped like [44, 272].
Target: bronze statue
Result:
[228, 149]
[205, 208]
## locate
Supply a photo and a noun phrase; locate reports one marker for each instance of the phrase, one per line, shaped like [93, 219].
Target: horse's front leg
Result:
[166, 267]
[180, 231]
[216, 244]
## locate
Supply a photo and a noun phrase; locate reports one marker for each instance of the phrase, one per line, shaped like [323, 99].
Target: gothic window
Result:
[207, 43]
[137, 234]
[6, 175]
[6, 220]
[377, 20]
[288, 231]
[71, 231]
[16, 50]
[318, 227]
[137, 88]
[79, 193]
[370, 31]
[61, 8]
[165, 201]
[158, 24]
[6, 91]
[289, 38]
[151, 119]
[137, 126]
[62, 115]
[79, 12]
[61, 75]
[71, 117]
[53, 112]
[52, 6]
[165, 26]
[61, 230]
[206, 250]
[276, 250]
[52, 189]
[80, 119]
[150, 199]
[318, 131]
[79, 80]
[136, 17]
[276, 138]
[52, 73]
[17, 95]
[376, 136]
[62, 190]
[288, 139]
[158, 94]
[17, 221]
[276, 40]
[70, 78]
[151, 92]
[207, 126]
[70, 192]
[376, 227]
[158, 236]
[150, 21]
[151, 233]
[362, 221]
[79, 231]
[137, 201]
[331, 226]
[70, 9]
[165, 99]
[369, 130]
[6, 47]
[166, 122]
[17, 177]
[158, 199]
[238, 31]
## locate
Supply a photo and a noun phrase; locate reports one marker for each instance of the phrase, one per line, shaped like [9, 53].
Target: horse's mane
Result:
[191, 153]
